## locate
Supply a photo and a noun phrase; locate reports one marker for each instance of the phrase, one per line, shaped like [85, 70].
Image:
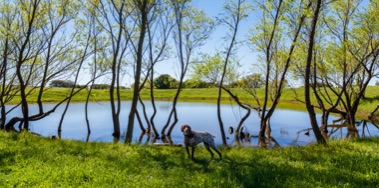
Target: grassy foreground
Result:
[31, 161]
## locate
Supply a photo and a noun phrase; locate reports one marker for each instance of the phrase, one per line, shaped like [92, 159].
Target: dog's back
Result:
[193, 138]
[201, 136]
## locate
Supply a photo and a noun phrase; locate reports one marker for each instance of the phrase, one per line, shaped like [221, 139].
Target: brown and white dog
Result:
[192, 139]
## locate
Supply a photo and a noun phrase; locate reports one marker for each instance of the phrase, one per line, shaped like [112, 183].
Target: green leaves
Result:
[165, 81]
[210, 67]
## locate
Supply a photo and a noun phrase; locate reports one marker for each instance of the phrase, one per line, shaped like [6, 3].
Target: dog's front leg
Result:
[193, 151]
[188, 153]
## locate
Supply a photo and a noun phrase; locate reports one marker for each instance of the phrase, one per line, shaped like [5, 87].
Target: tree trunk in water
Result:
[86, 109]
[133, 109]
[145, 117]
[140, 122]
[324, 121]
[153, 104]
[4, 83]
[243, 119]
[310, 108]
[173, 111]
[221, 124]
[86, 112]
[173, 124]
[263, 129]
[24, 102]
[115, 116]
[3, 115]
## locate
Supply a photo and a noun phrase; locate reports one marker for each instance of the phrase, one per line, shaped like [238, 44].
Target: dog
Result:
[192, 139]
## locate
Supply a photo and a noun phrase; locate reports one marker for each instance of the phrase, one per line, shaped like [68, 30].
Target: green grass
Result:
[288, 100]
[31, 161]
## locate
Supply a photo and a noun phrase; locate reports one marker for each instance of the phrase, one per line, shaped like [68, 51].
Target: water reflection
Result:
[288, 127]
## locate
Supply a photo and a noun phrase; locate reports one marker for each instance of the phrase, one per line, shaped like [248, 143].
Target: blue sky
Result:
[213, 8]
[247, 57]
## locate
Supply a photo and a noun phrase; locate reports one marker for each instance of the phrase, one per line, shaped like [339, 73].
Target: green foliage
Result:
[252, 81]
[61, 83]
[196, 83]
[196, 26]
[165, 81]
[31, 161]
[209, 69]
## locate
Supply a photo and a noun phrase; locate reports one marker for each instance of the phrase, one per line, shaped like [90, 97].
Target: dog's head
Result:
[186, 129]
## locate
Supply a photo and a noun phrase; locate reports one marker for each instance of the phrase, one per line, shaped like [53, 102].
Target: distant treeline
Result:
[70, 84]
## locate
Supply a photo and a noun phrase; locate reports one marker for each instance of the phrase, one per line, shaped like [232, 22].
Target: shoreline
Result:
[203, 95]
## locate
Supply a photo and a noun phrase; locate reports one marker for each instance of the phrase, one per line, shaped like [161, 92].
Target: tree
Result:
[165, 81]
[344, 60]
[158, 32]
[363, 49]
[144, 7]
[250, 82]
[234, 13]
[61, 83]
[44, 50]
[310, 108]
[118, 43]
[27, 50]
[209, 68]
[96, 66]
[353, 55]
[192, 29]
[82, 54]
[7, 70]
[277, 51]
[196, 83]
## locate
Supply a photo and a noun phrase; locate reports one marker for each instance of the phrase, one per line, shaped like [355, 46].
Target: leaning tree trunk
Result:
[310, 108]
[82, 59]
[236, 21]
[24, 102]
[145, 117]
[244, 118]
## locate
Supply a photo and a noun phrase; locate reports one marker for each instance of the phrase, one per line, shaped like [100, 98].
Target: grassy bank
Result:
[288, 99]
[31, 161]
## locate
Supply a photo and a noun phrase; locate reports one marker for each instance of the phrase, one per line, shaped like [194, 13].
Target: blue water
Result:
[285, 124]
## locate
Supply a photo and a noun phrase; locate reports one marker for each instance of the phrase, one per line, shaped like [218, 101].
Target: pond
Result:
[286, 125]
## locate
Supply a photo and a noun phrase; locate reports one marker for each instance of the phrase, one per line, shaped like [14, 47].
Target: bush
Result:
[195, 83]
[165, 81]
[61, 83]
[101, 86]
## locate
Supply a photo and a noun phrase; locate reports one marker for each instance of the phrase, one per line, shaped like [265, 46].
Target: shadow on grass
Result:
[367, 140]
[314, 167]
[371, 99]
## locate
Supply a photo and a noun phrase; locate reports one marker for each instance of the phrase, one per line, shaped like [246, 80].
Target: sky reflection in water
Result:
[285, 124]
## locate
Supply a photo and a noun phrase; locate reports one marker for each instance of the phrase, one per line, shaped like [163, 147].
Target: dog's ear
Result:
[185, 126]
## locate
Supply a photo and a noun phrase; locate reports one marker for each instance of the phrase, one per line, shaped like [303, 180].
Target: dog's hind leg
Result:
[209, 149]
[219, 153]
[215, 149]
[193, 151]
